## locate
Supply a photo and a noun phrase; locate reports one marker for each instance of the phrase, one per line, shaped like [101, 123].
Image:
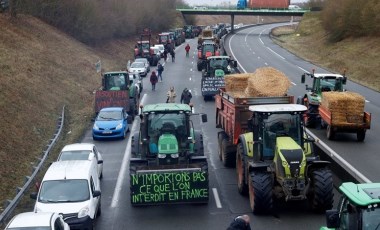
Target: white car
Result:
[82, 151]
[138, 68]
[161, 48]
[145, 61]
[40, 220]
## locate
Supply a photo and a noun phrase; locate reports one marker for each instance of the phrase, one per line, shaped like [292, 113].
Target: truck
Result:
[217, 67]
[358, 207]
[269, 4]
[207, 49]
[322, 82]
[167, 163]
[118, 90]
[241, 4]
[143, 48]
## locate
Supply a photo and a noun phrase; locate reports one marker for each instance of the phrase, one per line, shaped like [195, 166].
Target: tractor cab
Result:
[358, 208]
[218, 66]
[168, 131]
[279, 128]
[325, 83]
[208, 49]
[116, 81]
[143, 49]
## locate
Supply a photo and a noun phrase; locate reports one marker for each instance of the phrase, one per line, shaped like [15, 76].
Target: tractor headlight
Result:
[285, 164]
[175, 155]
[161, 156]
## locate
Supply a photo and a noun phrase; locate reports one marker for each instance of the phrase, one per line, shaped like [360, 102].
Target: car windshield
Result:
[57, 191]
[143, 60]
[137, 65]
[74, 155]
[109, 115]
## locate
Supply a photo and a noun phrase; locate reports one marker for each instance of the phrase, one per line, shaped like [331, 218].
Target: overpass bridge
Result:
[245, 12]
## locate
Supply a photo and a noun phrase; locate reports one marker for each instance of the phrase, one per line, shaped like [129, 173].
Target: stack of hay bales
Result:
[346, 107]
[264, 82]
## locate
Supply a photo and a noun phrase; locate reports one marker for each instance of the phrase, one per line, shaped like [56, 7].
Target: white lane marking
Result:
[191, 69]
[123, 170]
[265, 63]
[303, 69]
[367, 101]
[275, 53]
[293, 83]
[353, 171]
[216, 196]
[233, 55]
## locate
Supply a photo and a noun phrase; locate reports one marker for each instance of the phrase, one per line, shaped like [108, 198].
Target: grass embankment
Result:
[360, 57]
[41, 70]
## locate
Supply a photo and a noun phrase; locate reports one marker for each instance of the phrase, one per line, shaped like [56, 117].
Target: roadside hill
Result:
[42, 70]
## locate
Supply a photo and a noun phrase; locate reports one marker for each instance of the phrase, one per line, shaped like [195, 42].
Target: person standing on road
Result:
[165, 54]
[240, 223]
[160, 69]
[172, 53]
[171, 95]
[186, 96]
[187, 48]
[153, 80]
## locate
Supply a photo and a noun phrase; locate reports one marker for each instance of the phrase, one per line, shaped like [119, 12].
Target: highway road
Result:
[252, 48]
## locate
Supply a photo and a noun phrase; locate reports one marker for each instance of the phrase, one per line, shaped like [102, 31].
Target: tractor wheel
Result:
[260, 192]
[240, 170]
[228, 156]
[330, 132]
[300, 100]
[221, 136]
[360, 135]
[199, 149]
[135, 145]
[321, 196]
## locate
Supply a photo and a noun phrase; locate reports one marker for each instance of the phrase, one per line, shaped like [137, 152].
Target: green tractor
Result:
[322, 82]
[276, 160]
[167, 162]
[358, 208]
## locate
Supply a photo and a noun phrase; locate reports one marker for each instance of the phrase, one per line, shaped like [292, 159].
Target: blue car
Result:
[111, 122]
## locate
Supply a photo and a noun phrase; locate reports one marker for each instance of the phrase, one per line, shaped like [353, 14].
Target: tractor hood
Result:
[314, 98]
[219, 73]
[292, 157]
[167, 144]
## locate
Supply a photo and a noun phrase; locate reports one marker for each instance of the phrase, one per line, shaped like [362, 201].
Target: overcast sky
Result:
[233, 2]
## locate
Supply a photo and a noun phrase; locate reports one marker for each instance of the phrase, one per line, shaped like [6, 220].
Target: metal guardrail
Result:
[20, 191]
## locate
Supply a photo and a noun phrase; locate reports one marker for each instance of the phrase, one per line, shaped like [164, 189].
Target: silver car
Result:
[145, 61]
[138, 68]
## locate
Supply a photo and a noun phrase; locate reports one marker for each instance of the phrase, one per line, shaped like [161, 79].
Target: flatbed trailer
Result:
[354, 124]
[232, 115]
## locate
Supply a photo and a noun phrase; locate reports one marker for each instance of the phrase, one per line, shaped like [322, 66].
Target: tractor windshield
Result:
[329, 84]
[371, 218]
[163, 39]
[173, 123]
[218, 63]
[277, 125]
[209, 48]
[117, 81]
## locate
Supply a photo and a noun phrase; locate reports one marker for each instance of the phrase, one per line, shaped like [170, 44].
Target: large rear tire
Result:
[330, 133]
[221, 136]
[240, 170]
[321, 195]
[360, 135]
[260, 192]
[228, 156]
[135, 145]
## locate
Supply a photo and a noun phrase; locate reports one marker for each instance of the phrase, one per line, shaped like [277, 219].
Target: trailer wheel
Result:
[228, 156]
[360, 135]
[221, 136]
[240, 170]
[135, 145]
[260, 192]
[321, 196]
[330, 133]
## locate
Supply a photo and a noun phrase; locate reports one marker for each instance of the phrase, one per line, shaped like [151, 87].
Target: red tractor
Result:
[207, 49]
[143, 48]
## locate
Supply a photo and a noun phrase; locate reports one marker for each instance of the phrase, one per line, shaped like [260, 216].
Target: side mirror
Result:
[303, 78]
[344, 80]
[332, 218]
[235, 64]
[204, 118]
[96, 193]
[100, 161]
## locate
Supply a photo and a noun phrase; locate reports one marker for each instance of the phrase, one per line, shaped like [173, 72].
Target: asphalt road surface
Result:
[252, 48]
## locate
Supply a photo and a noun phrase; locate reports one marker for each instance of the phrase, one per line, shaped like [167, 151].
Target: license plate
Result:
[107, 132]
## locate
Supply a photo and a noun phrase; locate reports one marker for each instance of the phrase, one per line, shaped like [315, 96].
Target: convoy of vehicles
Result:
[168, 147]
[358, 208]
[217, 67]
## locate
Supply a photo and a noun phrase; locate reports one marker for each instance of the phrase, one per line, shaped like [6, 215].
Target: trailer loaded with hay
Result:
[265, 86]
[344, 112]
